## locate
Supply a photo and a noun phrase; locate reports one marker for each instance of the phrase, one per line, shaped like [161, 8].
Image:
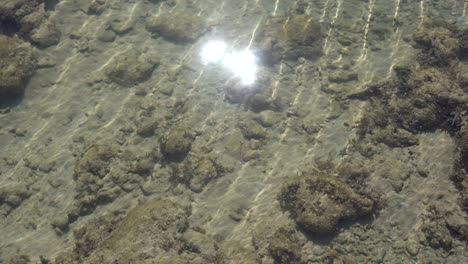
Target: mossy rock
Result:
[179, 26]
[290, 37]
[17, 64]
[319, 204]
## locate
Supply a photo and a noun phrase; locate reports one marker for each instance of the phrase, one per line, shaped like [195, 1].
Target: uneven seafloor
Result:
[127, 147]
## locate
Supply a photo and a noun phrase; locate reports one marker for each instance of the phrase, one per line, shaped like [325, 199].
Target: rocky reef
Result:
[425, 96]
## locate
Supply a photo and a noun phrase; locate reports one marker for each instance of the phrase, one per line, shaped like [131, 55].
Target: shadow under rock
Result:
[7, 103]
[326, 239]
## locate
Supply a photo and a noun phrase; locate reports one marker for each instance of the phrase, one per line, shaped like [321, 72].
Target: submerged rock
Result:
[46, 35]
[285, 246]
[17, 64]
[148, 233]
[179, 26]
[96, 7]
[131, 68]
[319, 204]
[177, 143]
[441, 43]
[290, 38]
[198, 171]
[11, 196]
[21, 16]
[105, 170]
[28, 20]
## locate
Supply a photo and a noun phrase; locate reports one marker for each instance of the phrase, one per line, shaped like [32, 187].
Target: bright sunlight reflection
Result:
[213, 51]
[242, 64]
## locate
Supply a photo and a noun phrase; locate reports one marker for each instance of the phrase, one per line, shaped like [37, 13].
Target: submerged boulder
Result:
[179, 26]
[442, 45]
[318, 204]
[177, 143]
[28, 20]
[21, 16]
[290, 37]
[131, 68]
[147, 234]
[17, 64]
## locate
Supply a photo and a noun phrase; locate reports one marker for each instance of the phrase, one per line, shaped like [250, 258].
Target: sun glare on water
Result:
[241, 63]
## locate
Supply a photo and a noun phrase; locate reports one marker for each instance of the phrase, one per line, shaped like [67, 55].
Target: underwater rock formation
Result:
[289, 37]
[96, 7]
[17, 64]
[11, 196]
[425, 96]
[131, 68]
[198, 171]
[177, 143]
[106, 170]
[28, 19]
[150, 231]
[318, 204]
[179, 26]
[46, 35]
[21, 16]
[441, 45]
[285, 246]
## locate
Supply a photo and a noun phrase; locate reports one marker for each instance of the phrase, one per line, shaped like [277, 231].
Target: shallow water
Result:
[124, 112]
